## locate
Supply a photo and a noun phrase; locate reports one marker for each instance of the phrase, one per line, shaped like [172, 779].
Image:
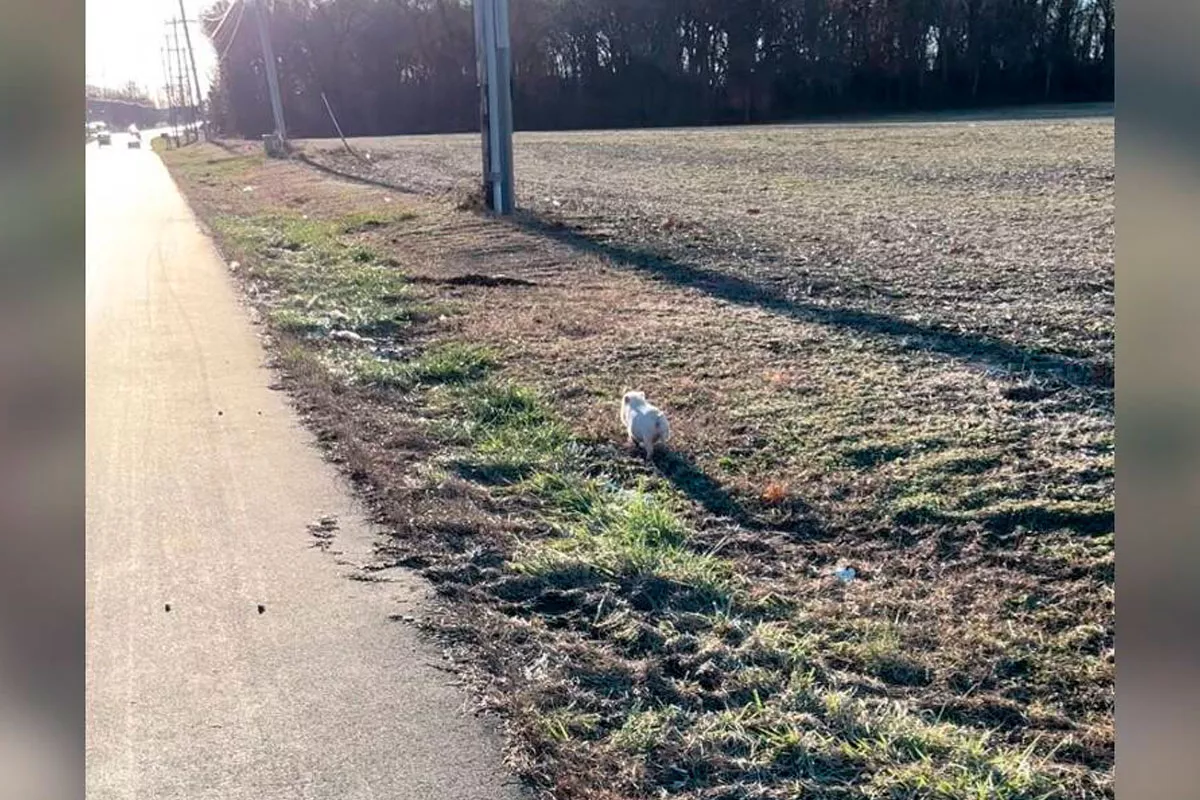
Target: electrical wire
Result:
[224, 19]
[237, 24]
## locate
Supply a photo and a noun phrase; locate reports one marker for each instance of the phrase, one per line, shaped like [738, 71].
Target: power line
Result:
[222, 15]
[224, 19]
[237, 24]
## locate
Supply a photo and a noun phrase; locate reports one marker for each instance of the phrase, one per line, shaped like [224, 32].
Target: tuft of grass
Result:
[567, 724]
[634, 535]
[447, 364]
[645, 731]
[511, 431]
[367, 370]
[455, 362]
[880, 650]
[920, 508]
[297, 321]
[568, 495]
[505, 405]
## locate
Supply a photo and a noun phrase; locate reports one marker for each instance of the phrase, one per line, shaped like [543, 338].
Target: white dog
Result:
[644, 424]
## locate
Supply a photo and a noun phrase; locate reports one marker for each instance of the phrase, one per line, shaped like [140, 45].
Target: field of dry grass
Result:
[994, 240]
[882, 347]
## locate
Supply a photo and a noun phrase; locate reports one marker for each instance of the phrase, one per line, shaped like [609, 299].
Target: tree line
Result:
[131, 92]
[408, 66]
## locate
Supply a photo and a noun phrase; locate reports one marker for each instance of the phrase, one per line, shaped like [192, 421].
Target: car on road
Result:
[102, 133]
[135, 137]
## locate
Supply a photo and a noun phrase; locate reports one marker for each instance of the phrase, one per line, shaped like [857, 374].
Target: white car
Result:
[101, 132]
[135, 137]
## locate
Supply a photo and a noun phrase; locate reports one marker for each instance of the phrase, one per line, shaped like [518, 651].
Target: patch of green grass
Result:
[455, 362]
[447, 364]
[920, 508]
[826, 738]
[207, 163]
[231, 166]
[566, 724]
[634, 536]
[646, 731]
[980, 777]
[1069, 550]
[510, 429]
[516, 441]
[569, 495]
[493, 406]
[880, 650]
[315, 272]
[983, 495]
[368, 370]
[297, 321]
[940, 496]
[782, 647]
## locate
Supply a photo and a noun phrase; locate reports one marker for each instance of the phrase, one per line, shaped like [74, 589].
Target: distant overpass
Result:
[123, 113]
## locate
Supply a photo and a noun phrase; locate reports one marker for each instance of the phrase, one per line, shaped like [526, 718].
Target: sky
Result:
[125, 40]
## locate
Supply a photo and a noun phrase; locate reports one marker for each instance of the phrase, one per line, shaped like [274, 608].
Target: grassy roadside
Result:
[635, 644]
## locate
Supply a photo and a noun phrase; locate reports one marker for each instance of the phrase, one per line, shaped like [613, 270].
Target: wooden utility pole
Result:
[493, 63]
[184, 86]
[169, 77]
[272, 79]
[187, 38]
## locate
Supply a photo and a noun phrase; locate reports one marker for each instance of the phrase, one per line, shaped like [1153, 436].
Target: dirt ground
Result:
[996, 239]
[881, 348]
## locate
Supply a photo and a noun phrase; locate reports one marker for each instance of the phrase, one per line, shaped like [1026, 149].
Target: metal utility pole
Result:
[493, 61]
[272, 78]
[187, 38]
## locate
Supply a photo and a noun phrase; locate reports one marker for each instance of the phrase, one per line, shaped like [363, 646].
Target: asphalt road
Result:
[272, 675]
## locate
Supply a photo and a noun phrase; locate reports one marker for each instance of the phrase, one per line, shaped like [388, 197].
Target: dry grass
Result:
[935, 411]
[999, 234]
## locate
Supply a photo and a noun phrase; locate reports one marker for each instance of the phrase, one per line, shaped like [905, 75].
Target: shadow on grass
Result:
[976, 348]
[795, 517]
[683, 472]
[983, 350]
[492, 473]
[303, 158]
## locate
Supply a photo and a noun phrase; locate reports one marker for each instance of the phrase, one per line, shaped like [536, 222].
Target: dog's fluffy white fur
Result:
[644, 424]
